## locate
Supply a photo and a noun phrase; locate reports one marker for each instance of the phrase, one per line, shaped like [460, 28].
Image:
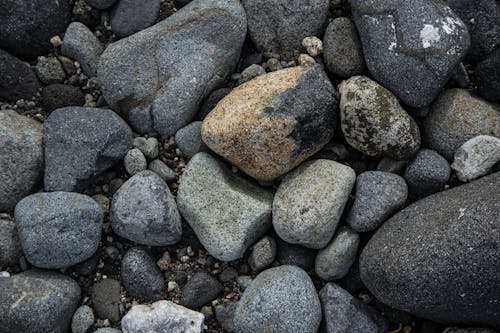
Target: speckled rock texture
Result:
[10, 246]
[476, 157]
[83, 46]
[18, 79]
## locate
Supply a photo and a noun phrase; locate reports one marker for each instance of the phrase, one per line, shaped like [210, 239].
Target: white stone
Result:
[476, 157]
[313, 45]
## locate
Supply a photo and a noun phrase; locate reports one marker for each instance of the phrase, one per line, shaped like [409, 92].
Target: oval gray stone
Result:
[83, 46]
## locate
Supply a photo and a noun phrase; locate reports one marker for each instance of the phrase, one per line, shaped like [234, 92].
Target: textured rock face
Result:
[410, 46]
[487, 76]
[269, 125]
[442, 248]
[131, 16]
[18, 80]
[83, 46]
[158, 77]
[476, 157]
[10, 246]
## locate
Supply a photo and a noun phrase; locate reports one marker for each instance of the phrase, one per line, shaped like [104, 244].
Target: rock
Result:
[135, 161]
[456, 117]
[393, 166]
[101, 4]
[313, 45]
[144, 211]
[141, 277]
[89, 266]
[343, 313]
[58, 229]
[251, 72]
[280, 299]
[131, 16]
[427, 173]
[227, 212]
[81, 143]
[162, 316]
[429, 258]
[37, 301]
[82, 320]
[201, 289]
[309, 202]
[105, 296]
[269, 125]
[279, 26]
[107, 330]
[188, 139]
[296, 255]
[378, 196]
[21, 157]
[263, 254]
[374, 122]
[150, 147]
[224, 313]
[228, 274]
[10, 246]
[49, 70]
[468, 330]
[211, 101]
[342, 48]
[162, 170]
[83, 46]
[56, 96]
[413, 58]
[476, 157]
[487, 76]
[195, 58]
[26, 27]
[18, 80]
[306, 60]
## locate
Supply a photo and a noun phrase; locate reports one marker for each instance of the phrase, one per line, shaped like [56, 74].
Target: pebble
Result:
[105, 296]
[427, 173]
[135, 161]
[82, 320]
[476, 157]
[374, 122]
[296, 255]
[101, 4]
[83, 46]
[313, 45]
[150, 147]
[306, 60]
[107, 329]
[10, 246]
[49, 70]
[269, 125]
[251, 72]
[488, 77]
[273, 65]
[228, 275]
[378, 196]
[162, 170]
[211, 101]
[58, 229]
[18, 80]
[244, 281]
[188, 139]
[263, 254]
[144, 211]
[225, 314]
[227, 213]
[201, 289]
[103, 202]
[57, 96]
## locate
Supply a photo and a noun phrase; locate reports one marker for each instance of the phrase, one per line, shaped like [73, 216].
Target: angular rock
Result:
[263, 254]
[427, 173]
[487, 76]
[476, 157]
[227, 212]
[10, 246]
[81, 143]
[269, 125]
[201, 289]
[56, 96]
[105, 296]
[309, 202]
[131, 16]
[158, 77]
[429, 258]
[374, 122]
[188, 139]
[412, 46]
[18, 80]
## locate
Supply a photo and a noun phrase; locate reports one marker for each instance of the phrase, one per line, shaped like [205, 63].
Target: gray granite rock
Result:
[81, 143]
[412, 46]
[251, 72]
[21, 157]
[131, 16]
[430, 258]
[101, 4]
[58, 229]
[158, 77]
[227, 212]
[107, 330]
[427, 173]
[18, 80]
[83, 46]
[280, 299]
[150, 147]
[10, 246]
[106, 299]
[188, 139]
[487, 77]
[82, 320]
[144, 211]
[50, 70]
[263, 254]
[135, 161]
[295, 255]
[476, 157]
[37, 301]
[201, 289]
[162, 170]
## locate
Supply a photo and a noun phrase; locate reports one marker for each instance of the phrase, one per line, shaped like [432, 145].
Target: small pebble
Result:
[313, 45]
[476, 157]
[427, 173]
[135, 161]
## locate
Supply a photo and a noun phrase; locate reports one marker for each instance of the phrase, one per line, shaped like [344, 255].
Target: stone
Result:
[83, 46]
[58, 229]
[162, 170]
[427, 173]
[201, 289]
[228, 274]
[313, 45]
[251, 72]
[107, 330]
[211, 101]
[49, 70]
[224, 313]
[81, 143]
[476, 157]
[18, 80]
[295, 255]
[342, 48]
[468, 330]
[455, 117]
[158, 77]
[162, 317]
[37, 301]
[10, 246]
[269, 125]
[88, 267]
[105, 296]
[26, 27]
[56, 96]
[150, 147]
[101, 4]
[393, 166]
[343, 313]
[280, 299]
[144, 211]
[188, 139]
[374, 122]
[135, 161]
[263, 254]
[279, 26]
[410, 47]
[82, 320]
[378, 196]
[141, 277]
[306, 60]
[429, 258]
[131, 16]
[21, 157]
[487, 76]
[227, 212]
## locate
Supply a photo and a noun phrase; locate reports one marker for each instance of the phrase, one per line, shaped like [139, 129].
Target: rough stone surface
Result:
[225, 313]
[412, 46]
[158, 77]
[56, 96]
[80, 143]
[83, 46]
[263, 254]
[309, 202]
[251, 72]
[144, 211]
[150, 147]
[476, 157]
[280, 299]
[18, 80]
[10, 246]
[487, 76]
[21, 157]
[101, 4]
[37, 301]
[188, 139]
[427, 173]
[131, 16]
[201, 289]
[296, 255]
[441, 248]
[107, 330]
[135, 161]
[227, 213]
[105, 296]
[269, 125]
[162, 170]
[58, 229]
[50, 70]
[82, 320]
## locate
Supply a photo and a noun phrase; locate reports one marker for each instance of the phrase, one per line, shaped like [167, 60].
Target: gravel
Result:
[427, 173]
[131, 16]
[83, 319]
[476, 157]
[263, 254]
[201, 289]
[135, 161]
[18, 80]
[83, 46]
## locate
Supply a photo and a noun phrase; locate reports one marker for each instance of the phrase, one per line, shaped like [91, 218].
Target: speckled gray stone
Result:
[201, 289]
[162, 170]
[83, 46]
[131, 16]
[280, 299]
[296, 255]
[150, 147]
[107, 330]
[101, 4]
[50, 70]
[135, 161]
[105, 296]
[83, 319]
[227, 212]
[188, 139]
[476, 157]
[18, 79]
[251, 72]
[10, 246]
[430, 258]
[427, 173]
[263, 254]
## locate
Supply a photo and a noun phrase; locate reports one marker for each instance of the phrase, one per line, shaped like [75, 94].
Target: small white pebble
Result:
[56, 41]
[171, 286]
[313, 45]
[306, 60]
[4, 274]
